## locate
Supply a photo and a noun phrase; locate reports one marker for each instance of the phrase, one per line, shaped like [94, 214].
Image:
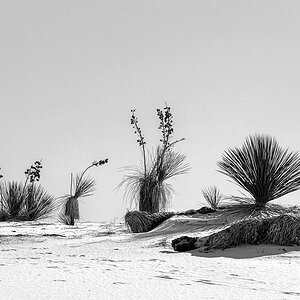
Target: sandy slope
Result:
[101, 261]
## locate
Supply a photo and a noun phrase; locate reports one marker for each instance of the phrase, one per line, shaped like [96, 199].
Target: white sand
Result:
[101, 261]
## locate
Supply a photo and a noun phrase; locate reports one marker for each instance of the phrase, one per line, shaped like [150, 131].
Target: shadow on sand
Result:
[250, 251]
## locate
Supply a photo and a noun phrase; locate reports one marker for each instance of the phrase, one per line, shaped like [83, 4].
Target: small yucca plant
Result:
[81, 187]
[212, 196]
[263, 169]
[146, 185]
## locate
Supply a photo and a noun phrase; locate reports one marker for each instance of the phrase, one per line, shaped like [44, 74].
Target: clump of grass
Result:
[147, 185]
[280, 230]
[284, 230]
[240, 233]
[212, 196]
[263, 169]
[28, 201]
[141, 221]
[81, 187]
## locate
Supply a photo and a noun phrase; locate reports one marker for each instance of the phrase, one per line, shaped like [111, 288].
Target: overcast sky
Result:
[71, 71]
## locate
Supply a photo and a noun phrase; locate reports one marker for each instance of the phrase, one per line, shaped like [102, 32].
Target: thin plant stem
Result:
[71, 185]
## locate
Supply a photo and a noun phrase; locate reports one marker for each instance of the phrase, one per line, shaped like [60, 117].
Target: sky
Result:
[71, 71]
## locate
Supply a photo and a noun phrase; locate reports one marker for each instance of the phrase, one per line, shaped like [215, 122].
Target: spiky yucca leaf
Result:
[84, 186]
[168, 163]
[213, 196]
[261, 167]
[64, 219]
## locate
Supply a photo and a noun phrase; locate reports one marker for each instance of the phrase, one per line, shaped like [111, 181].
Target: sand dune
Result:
[103, 261]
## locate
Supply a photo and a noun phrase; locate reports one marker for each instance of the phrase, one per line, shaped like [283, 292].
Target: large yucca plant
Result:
[146, 185]
[262, 168]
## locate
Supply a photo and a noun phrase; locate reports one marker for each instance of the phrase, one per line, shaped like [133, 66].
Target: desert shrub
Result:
[263, 169]
[81, 187]
[212, 196]
[28, 201]
[147, 185]
[141, 221]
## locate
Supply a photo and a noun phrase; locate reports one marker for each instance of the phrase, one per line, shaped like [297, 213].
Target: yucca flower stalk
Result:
[81, 187]
[212, 196]
[141, 139]
[33, 175]
[147, 185]
[263, 169]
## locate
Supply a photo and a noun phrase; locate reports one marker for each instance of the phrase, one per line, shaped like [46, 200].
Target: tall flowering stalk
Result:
[33, 174]
[141, 139]
[147, 185]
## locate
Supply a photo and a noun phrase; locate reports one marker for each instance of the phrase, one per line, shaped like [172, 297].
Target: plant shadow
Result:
[249, 251]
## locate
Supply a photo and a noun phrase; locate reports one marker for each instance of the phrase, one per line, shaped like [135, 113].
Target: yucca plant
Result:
[26, 202]
[212, 196]
[150, 192]
[81, 187]
[263, 169]
[146, 185]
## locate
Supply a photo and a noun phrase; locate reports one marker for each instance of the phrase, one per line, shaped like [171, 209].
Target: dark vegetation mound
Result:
[141, 221]
[280, 230]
